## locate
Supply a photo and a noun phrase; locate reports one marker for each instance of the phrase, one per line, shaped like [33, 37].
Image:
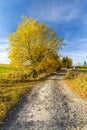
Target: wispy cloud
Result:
[77, 56]
[55, 13]
[78, 44]
[76, 49]
[73, 14]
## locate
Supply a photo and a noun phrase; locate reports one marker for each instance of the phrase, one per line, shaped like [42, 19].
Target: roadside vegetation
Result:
[77, 81]
[11, 89]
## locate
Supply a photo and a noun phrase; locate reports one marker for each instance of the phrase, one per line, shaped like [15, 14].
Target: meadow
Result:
[5, 68]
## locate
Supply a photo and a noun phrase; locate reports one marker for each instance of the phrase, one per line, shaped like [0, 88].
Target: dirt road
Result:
[51, 105]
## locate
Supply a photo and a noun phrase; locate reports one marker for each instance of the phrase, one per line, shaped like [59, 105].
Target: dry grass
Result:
[79, 84]
[12, 88]
[10, 95]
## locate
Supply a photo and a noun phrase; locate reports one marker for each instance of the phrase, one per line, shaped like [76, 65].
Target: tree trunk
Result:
[34, 74]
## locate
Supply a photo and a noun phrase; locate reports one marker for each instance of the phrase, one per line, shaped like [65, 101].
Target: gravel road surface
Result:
[51, 105]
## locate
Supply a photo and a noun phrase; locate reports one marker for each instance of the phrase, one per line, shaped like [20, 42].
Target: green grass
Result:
[81, 68]
[5, 69]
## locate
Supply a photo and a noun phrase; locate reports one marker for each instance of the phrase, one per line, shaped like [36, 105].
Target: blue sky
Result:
[67, 17]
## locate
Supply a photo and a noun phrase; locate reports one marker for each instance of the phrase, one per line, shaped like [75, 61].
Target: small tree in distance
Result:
[84, 63]
[66, 62]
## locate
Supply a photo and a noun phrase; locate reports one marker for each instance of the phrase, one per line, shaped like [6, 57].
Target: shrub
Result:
[17, 76]
[71, 75]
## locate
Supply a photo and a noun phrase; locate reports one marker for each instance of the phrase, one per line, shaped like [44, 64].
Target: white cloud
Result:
[3, 47]
[3, 52]
[4, 40]
[4, 57]
[3, 44]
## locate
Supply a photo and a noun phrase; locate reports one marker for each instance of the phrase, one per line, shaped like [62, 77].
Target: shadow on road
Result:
[12, 115]
[57, 76]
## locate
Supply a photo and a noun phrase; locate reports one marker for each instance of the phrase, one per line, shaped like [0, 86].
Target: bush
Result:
[71, 75]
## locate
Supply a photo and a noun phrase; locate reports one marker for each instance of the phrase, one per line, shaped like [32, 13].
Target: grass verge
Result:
[78, 83]
[10, 95]
[13, 89]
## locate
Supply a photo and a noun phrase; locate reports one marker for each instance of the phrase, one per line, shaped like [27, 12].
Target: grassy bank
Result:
[78, 83]
[10, 96]
[11, 89]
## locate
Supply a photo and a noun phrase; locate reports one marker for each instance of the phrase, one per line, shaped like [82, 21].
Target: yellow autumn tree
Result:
[33, 44]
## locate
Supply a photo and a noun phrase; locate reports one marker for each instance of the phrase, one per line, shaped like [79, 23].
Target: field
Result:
[4, 69]
[78, 82]
[81, 68]
[10, 92]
